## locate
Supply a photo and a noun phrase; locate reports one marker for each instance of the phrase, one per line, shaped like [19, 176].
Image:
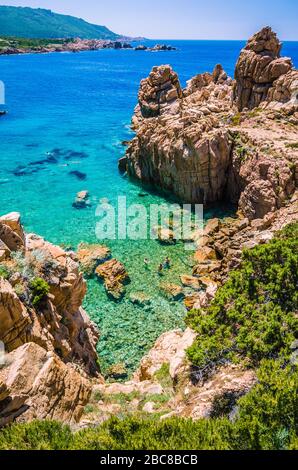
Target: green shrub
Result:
[4, 271]
[39, 290]
[38, 435]
[236, 119]
[266, 418]
[252, 315]
[268, 415]
[137, 434]
[163, 376]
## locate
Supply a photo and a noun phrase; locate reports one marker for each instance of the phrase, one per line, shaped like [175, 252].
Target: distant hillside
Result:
[39, 23]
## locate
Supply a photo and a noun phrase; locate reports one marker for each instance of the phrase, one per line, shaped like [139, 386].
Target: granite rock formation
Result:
[114, 276]
[36, 384]
[90, 256]
[197, 145]
[258, 67]
[226, 239]
[159, 93]
[49, 340]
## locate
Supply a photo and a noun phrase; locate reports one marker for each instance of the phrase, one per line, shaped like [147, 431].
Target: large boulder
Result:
[180, 146]
[90, 256]
[258, 66]
[159, 92]
[284, 91]
[170, 348]
[13, 220]
[14, 317]
[114, 276]
[36, 384]
[59, 324]
[10, 238]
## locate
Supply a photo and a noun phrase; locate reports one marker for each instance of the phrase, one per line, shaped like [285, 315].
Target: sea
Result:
[77, 108]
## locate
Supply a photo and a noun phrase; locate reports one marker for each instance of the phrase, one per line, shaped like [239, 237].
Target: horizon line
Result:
[202, 39]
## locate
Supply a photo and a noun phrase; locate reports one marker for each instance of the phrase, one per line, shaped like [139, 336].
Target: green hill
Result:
[39, 23]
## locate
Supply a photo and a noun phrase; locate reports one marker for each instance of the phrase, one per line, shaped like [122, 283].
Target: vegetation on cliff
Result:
[12, 42]
[253, 315]
[265, 419]
[252, 319]
[39, 23]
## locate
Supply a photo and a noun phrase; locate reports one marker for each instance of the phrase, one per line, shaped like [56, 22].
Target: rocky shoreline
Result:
[80, 45]
[221, 139]
[217, 139]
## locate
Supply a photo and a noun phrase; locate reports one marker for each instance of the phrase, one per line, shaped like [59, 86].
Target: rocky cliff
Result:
[49, 340]
[221, 139]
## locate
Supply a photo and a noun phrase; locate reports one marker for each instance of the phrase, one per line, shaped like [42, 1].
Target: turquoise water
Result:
[78, 107]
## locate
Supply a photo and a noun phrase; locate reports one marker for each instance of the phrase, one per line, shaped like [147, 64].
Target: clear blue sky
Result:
[181, 19]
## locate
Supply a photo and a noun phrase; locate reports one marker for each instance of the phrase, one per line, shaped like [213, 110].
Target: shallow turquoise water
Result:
[81, 104]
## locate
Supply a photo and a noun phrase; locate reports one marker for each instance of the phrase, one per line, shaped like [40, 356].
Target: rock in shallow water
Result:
[82, 200]
[171, 291]
[115, 276]
[90, 256]
[140, 298]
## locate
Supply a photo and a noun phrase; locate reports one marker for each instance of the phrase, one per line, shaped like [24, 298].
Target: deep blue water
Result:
[82, 104]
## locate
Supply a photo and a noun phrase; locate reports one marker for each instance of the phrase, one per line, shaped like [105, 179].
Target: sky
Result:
[181, 19]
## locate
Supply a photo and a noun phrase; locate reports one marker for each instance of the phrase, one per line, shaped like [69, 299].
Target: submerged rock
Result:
[165, 236]
[172, 291]
[82, 200]
[79, 175]
[140, 298]
[90, 256]
[191, 281]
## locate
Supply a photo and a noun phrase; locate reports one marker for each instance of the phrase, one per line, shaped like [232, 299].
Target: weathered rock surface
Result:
[197, 402]
[36, 384]
[14, 316]
[159, 93]
[90, 256]
[284, 91]
[195, 144]
[170, 348]
[63, 326]
[140, 298]
[171, 291]
[46, 340]
[227, 241]
[179, 148]
[114, 276]
[259, 65]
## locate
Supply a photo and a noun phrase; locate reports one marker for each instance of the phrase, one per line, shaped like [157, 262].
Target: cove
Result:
[67, 116]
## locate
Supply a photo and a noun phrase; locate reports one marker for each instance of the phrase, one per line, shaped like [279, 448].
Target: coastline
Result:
[81, 45]
[251, 150]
